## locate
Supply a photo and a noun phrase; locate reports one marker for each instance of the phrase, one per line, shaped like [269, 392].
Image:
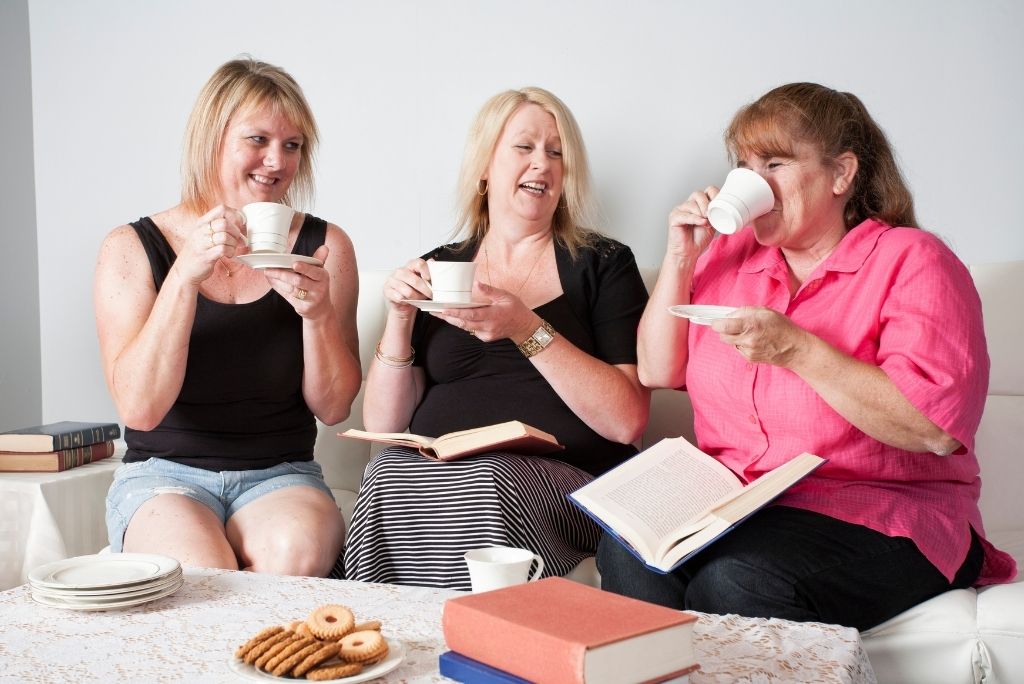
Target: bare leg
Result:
[290, 531]
[177, 526]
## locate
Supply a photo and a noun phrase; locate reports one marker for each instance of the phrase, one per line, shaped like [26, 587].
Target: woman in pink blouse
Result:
[858, 338]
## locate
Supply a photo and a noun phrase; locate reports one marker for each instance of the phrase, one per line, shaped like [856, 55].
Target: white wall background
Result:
[395, 83]
[21, 401]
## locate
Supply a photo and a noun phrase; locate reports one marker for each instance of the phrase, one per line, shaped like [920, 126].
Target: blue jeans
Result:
[793, 564]
[223, 492]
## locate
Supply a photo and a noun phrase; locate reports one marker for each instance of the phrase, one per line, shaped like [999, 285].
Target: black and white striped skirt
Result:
[416, 518]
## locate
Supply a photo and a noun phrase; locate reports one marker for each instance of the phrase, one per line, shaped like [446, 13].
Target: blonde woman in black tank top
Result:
[219, 370]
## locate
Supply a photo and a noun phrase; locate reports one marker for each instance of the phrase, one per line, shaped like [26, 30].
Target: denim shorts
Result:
[223, 492]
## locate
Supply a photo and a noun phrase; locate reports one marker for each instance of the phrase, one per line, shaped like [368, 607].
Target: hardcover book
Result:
[513, 436]
[58, 436]
[670, 501]
[555, 630]
[54, 461]
[462, 669]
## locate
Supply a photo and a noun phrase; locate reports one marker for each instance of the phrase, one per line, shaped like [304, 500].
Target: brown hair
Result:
[833, 122]
[575, 206]
[242, 85]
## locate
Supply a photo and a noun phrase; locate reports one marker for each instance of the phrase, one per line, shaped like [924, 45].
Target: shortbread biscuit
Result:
[359, 647]
[369, 624]
[252, 656]
[332, 671]
[331, 622]
[290, 650]
[304, 630]
[272, 652]
[328, 650]
[288, 664]
[259, 637]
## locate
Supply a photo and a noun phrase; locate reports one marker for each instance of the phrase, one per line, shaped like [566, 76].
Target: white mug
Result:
[267, 225]
[744, 196]
[451, 281]
[496, 567]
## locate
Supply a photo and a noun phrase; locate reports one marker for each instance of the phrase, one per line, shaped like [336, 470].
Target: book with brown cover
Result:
[54, 461]
[513, 436]
[58, 436]
[557, 630]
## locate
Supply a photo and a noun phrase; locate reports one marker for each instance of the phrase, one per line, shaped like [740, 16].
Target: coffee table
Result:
[191, 635]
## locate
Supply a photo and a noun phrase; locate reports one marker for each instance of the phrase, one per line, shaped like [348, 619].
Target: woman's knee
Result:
[623, 573]
[729, 585]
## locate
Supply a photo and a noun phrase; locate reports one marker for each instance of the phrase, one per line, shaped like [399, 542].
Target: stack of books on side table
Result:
[559, 631]
[55, 447]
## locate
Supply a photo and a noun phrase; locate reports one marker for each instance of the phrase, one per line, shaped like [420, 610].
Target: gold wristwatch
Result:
[536, 343]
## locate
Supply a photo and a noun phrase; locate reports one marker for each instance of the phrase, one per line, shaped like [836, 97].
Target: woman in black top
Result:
[218, 369]
[555, 348]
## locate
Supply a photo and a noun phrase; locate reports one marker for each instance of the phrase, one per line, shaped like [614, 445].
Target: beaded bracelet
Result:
[395, 361]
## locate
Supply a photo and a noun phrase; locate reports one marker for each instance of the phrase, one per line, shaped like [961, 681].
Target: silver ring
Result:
[300, 293]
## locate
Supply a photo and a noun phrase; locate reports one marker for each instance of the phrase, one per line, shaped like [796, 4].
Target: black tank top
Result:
[241, 405]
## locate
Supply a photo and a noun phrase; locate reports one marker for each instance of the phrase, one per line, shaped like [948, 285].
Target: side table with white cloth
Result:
[50, 516]
[192, 635]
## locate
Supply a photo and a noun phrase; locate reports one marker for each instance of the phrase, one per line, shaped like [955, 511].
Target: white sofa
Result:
[960, 636]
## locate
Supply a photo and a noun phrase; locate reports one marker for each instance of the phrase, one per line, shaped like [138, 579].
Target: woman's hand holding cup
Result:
[217, 233]
[411, 281]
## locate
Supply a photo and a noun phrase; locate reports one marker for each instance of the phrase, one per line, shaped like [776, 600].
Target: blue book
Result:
[463, 669]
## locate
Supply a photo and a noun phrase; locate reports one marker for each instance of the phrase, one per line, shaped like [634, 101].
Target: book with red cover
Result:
[54, 461]
[558, 631]
[58, 436]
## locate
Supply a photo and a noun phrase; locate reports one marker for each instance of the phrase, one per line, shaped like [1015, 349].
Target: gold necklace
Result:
[487, 265]
[230, 273]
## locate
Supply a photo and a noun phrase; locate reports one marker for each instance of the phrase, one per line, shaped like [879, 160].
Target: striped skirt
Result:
[416, 518]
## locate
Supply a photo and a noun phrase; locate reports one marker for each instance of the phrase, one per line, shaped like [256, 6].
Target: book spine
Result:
[72, 458]
[462, 669]
[80, 438]
[513, 648]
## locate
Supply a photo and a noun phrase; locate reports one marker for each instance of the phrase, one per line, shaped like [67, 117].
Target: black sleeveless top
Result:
[472, 383]
[241, 405]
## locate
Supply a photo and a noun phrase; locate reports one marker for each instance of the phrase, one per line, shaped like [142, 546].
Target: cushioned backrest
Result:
[1000, 440]
[344, 460]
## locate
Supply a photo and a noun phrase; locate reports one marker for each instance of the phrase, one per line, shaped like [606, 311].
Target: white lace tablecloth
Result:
[45, 517]
[191, 635]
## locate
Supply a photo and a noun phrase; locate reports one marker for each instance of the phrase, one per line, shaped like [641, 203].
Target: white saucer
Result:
[102, 571]
[431, 305]
[109, 594]
[701, 314]
[274, 260]
[110, 603]
[396, 654]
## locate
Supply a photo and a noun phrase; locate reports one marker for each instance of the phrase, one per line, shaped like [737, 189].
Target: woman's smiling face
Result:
[259, 157]
[524, 177]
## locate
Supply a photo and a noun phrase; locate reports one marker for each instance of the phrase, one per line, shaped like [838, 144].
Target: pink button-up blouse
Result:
[894, 297]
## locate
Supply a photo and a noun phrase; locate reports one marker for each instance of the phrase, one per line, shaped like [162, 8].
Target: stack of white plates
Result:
[105, 581]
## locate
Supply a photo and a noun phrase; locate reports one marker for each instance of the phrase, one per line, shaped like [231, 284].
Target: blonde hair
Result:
[575, 208]
[833, 122]
[242, 85]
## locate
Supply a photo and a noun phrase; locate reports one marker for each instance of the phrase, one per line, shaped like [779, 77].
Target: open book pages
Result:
[512, 436]
[671, 500]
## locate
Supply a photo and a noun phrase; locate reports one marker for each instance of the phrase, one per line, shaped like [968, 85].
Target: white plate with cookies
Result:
[396, 654]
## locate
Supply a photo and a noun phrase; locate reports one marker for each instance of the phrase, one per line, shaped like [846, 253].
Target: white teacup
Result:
[266, 225]
[496, 567]
[452, 281]
[744, 196]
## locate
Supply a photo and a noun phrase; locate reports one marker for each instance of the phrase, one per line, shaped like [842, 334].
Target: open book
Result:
[671, 500]
[513, 436]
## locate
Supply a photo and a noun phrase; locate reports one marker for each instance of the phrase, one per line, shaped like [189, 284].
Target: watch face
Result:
[543, 337]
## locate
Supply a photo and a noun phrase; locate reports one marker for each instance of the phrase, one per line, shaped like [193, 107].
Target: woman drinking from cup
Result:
[858, 337]
[218, 369]
[554, 346]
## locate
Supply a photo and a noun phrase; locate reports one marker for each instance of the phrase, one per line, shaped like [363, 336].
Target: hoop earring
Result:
[484, 190]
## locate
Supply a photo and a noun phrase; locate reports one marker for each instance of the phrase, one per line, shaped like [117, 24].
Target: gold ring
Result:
[212, 243]
[300, 293]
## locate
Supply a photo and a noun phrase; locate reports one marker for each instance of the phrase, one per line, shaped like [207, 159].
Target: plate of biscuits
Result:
[328, 646]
